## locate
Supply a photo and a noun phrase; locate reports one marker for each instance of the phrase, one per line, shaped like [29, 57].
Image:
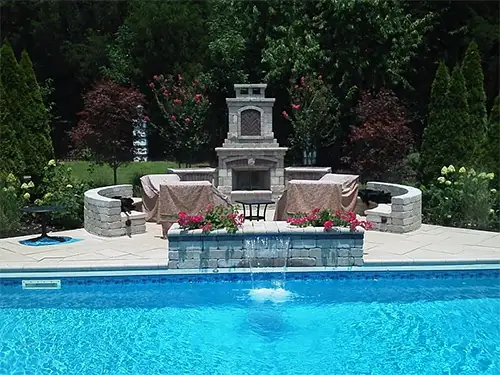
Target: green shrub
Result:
[60, 187]
[10, 206]
[461, 198]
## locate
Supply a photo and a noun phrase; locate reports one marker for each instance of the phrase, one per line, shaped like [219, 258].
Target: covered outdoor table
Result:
[151, 191]
[191, 197]
[333, 192]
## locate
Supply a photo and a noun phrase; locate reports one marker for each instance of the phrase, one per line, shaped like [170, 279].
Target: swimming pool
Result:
[322, 323]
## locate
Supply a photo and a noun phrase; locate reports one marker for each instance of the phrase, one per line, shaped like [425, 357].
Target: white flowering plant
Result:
[462, 197]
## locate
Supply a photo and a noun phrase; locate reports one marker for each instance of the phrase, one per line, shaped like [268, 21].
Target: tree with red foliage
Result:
[378, 146]
[184, 105]
[104, 132]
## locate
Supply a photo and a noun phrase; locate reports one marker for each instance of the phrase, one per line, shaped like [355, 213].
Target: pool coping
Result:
[149, 271]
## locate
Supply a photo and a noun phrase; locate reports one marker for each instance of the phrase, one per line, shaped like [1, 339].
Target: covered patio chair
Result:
[151, 192]
[333, 192]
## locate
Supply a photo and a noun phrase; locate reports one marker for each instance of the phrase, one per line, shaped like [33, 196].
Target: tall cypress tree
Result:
[11, 158]
[456, 137]
[16, 102]
[39, 124]
[476, 98]
[492, 144]
[433, 153]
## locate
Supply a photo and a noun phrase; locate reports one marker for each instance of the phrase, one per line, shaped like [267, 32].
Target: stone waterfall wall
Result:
[302, 247]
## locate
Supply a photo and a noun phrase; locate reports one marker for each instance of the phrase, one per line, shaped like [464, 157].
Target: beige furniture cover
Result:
[151, 191]
[191, 197]
[332, 191]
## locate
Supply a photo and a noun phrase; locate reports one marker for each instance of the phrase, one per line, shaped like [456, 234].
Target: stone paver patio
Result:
[428, 245]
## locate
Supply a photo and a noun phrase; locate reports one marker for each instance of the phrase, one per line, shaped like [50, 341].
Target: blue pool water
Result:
[353, 323]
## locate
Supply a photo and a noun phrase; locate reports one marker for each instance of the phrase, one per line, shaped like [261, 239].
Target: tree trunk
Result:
[115, 180]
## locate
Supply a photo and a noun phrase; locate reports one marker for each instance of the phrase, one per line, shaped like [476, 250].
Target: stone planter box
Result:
[265, 244]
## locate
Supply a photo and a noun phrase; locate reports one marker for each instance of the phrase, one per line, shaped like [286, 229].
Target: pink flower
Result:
[207, 227]
[151, 84]
[198, 98]
[187, 120]
[320, 77]
[296, 106]
[328, 225]
[166, 93]
[302, 80]
[155, 77]
[285, 115]
[173, 118]
[296, 86]
[147, 118]
[177, 101]
[196, 82]
[179, 77]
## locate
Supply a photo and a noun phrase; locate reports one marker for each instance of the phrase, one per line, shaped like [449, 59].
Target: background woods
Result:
[355, 46]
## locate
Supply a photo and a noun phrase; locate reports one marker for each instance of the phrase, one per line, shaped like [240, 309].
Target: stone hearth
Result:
[250, 159]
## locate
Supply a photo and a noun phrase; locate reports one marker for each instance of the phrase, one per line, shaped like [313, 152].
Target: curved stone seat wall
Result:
[403, 215]
[103, 216]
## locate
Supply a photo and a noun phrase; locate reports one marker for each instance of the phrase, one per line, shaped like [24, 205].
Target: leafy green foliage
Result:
[461, 198]
[38, 125]
[434, 149]
[11, 158]
[458, 145]
[313, 114]
[492, 145]
[60, 187]
[476, 99]
[10, 205]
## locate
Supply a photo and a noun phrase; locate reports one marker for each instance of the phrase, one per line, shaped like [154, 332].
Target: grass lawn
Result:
[103, 174]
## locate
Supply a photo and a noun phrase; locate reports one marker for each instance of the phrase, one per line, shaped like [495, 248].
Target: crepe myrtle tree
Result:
[104, 133]
[313, 114]
[184, 105]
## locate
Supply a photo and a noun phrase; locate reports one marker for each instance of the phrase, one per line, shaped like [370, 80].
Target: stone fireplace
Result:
[250, 159]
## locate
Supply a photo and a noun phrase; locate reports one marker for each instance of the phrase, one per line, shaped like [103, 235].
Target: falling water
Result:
[268, 252]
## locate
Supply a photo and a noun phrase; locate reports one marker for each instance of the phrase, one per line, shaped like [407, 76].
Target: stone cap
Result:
[308, 169]
[192, 170]
[249, 90]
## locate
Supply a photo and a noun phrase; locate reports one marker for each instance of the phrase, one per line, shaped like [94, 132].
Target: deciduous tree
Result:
[378, 146]
[184, 105]
[104, 132]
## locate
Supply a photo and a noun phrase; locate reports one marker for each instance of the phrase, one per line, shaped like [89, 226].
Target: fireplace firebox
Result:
[251, 180]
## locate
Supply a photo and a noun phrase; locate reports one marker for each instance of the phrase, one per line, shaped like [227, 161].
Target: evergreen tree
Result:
[39, 125]
[456, 137]
[15, 90]
[433, 153]
[492, 145]
[476, 99]
[11, 158]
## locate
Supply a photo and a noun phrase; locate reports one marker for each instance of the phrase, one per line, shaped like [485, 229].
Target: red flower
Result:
[147, 118]
[296, 86]
[207, 227]
[177, 101]
[187, 120]
[296, 106]
[151, 84]
[166, 93]
[316, 210]
[328, 225]
[198, 98]
[196, 82]
[302, 80]
[179, 77]
[173, 118]
[155, 77]
[285, 115]
[320, 77]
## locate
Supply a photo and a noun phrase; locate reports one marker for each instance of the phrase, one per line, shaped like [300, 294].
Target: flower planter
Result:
[251, 245]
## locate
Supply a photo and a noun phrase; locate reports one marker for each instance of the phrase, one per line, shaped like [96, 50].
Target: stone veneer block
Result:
[275, 244]
[103, 216]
